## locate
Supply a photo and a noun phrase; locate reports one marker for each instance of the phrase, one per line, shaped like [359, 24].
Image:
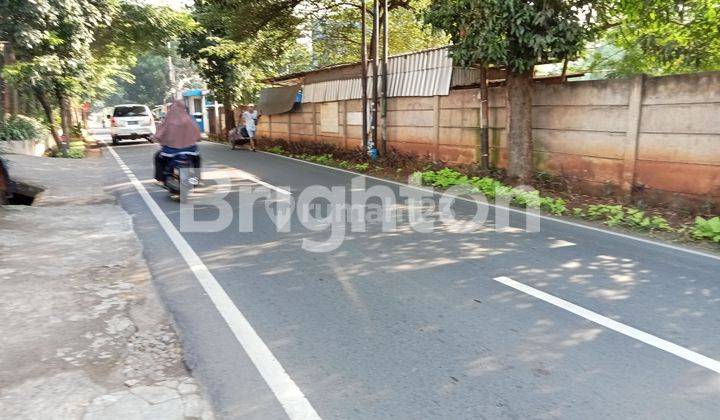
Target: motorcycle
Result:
[181, 171]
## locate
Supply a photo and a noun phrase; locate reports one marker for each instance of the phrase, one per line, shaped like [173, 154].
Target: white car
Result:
[131, 121]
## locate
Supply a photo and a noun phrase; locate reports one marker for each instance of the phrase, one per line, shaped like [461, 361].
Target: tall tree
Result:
[74, 50]
[660, 37]
[335, 32]
[148, 84]
[237, 45]
[516, 35]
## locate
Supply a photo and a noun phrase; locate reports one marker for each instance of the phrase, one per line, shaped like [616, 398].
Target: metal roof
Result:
[424, 73]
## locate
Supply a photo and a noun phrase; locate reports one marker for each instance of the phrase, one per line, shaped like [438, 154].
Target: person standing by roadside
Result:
[250, 117]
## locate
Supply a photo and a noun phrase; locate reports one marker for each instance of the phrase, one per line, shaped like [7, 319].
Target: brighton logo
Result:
[339, 210]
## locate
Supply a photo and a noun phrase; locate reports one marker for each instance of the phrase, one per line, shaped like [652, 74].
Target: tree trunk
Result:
[42, 100]
[10, 89]
[66, 117]
[3, 91]
[229, 117]
[519, 126]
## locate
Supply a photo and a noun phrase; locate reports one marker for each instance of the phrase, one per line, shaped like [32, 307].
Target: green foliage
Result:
[75, 154]
[361, 167]
[242, 20]
[126, 53]
[236, 45]
[72, 153]
[234, 70]
[444, 178]
[492, 188]
[516, 34]
[278, 150]
[336, 35]
[707, 229]
[148, 82]
[661, 37]
[556, 206]
[604, 211]
[74, 51]
[326, 159]
[618, 215]
[20, 127]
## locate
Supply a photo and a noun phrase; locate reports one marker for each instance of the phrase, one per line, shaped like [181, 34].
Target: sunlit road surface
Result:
[567, 322]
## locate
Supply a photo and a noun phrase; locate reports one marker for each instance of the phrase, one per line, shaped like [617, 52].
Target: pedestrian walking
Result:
[250, 117]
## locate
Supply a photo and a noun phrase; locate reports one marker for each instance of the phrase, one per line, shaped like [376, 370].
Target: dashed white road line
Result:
[231, 173]
[293, 401]
[606, 322]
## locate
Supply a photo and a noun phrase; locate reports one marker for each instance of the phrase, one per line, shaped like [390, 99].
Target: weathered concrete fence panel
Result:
[655, 138]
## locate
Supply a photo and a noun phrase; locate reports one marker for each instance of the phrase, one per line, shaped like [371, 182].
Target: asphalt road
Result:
[426, 325]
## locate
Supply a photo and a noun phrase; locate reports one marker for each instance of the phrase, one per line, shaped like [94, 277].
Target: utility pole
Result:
[363, 59]
[3, 91]
[171, 75]
[376, 41]
[484, 119]
[384, 110]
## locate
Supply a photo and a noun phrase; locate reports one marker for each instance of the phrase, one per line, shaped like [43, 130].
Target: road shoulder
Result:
[86, 335]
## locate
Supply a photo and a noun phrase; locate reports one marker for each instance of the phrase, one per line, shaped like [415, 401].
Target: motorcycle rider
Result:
[178, 133]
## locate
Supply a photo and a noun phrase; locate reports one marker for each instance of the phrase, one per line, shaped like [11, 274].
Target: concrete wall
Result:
[657, 137]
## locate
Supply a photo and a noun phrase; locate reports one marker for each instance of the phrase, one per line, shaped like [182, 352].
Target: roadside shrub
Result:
[617, 215]
[707, 229]
[492, 188]
[444, 178]
[20, 127]
[278, 150]
[361, 167]
[75, 153]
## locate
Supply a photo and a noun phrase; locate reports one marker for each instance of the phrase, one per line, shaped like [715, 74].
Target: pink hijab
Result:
[179, 130]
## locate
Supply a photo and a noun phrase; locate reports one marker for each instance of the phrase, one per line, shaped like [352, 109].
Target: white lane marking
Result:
[542, 216]
[252, 177]
[291, 398]
[627, 330]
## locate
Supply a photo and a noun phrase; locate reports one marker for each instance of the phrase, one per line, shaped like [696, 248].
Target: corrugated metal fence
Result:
[427, 73]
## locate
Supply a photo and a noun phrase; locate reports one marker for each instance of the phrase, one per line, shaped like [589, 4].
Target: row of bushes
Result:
[491, 188]
[611, 215]
[20, 127]
[323, 159]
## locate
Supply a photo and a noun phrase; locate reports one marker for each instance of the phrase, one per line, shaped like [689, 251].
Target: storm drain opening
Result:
[23, 194]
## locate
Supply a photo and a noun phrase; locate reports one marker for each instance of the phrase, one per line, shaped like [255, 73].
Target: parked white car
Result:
[131, 121]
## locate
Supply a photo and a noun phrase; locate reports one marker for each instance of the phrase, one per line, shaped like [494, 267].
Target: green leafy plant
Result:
[361, 167]
[75, 154]
[707, 229]
[444, 178]
[278, 150]
[325, 159]
[617, 215]
[556, 206]
[20, 127]
[613, 215]
[492, 188]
